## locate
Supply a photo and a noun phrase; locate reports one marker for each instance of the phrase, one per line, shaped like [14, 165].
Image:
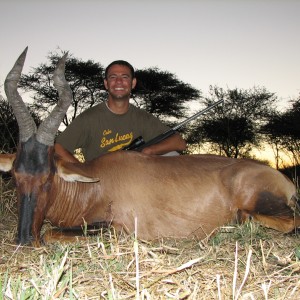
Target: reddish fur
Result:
[182, 196]
[171, 196]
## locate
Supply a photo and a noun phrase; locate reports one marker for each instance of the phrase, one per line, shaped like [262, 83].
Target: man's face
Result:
[119, 82]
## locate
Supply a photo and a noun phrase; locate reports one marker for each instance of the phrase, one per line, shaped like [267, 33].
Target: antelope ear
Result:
[73, 172]
[6, 162]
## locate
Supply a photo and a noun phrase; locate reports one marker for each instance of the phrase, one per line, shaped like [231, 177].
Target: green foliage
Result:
[232, 129]
[230, 133]
[9, 129]
[283, 131]
[158, 92]
[162, 94]
[55, 282]
[85, 79]
[244, 234]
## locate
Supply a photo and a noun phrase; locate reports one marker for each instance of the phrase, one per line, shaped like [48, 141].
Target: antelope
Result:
[177, 196]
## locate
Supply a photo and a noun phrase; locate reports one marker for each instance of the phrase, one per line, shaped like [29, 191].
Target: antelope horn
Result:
[25, 121]
[47, 130]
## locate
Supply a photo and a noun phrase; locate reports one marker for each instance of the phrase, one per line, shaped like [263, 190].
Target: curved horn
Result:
[47, 130]
[25, 121]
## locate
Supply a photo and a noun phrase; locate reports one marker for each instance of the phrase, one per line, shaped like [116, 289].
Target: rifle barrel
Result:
[139, 144]
[196, 115]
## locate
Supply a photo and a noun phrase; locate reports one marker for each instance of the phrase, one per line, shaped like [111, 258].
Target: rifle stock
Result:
[139, 144]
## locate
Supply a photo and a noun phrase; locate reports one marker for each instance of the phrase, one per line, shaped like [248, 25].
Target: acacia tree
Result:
[283, 131]
[158, 92]
[85, 79]
[232, 129]
[162, 93]
[271, 135]
[9, 129]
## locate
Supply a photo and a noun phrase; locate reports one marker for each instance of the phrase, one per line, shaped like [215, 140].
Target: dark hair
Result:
[122, 63]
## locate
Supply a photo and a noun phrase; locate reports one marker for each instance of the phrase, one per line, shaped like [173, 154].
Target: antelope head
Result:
[33, 165]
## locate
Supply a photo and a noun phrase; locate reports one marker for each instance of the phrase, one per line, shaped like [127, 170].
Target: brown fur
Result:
[172, 196]
[182, 196]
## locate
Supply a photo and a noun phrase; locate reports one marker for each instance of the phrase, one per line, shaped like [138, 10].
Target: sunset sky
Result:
[229, 43]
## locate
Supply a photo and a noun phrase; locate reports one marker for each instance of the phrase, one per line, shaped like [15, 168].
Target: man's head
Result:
[121, 63]
[119, 80]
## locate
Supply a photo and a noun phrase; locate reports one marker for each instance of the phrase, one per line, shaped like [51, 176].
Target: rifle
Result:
[139, 144]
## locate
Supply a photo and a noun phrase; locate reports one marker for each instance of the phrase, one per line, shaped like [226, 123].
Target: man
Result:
[114, 124]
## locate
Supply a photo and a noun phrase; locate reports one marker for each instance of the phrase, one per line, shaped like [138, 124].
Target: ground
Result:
[239, 262]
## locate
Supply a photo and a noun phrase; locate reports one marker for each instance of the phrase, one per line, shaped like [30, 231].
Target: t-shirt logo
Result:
[115, 141]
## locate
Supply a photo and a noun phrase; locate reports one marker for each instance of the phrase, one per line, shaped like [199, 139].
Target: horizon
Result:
[231, 44]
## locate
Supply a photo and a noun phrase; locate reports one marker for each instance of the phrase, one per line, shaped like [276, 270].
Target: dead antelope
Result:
[182, 196]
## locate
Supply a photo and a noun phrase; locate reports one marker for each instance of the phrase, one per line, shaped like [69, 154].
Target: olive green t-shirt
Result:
[98, 130]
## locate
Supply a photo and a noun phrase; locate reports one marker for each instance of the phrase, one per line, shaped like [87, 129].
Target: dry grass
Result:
[243, 262]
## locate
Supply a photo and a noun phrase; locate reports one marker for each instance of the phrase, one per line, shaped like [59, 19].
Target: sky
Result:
[228, 43]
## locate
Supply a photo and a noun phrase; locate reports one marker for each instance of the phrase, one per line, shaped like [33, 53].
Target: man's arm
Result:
[173, 143]
[64, 154]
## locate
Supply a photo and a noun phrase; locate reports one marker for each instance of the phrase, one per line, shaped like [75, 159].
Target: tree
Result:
[162, 93]
[232, 129]
[9, 129]
[85, 79]
[271, 134]
[158, 92]
[283, 131]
